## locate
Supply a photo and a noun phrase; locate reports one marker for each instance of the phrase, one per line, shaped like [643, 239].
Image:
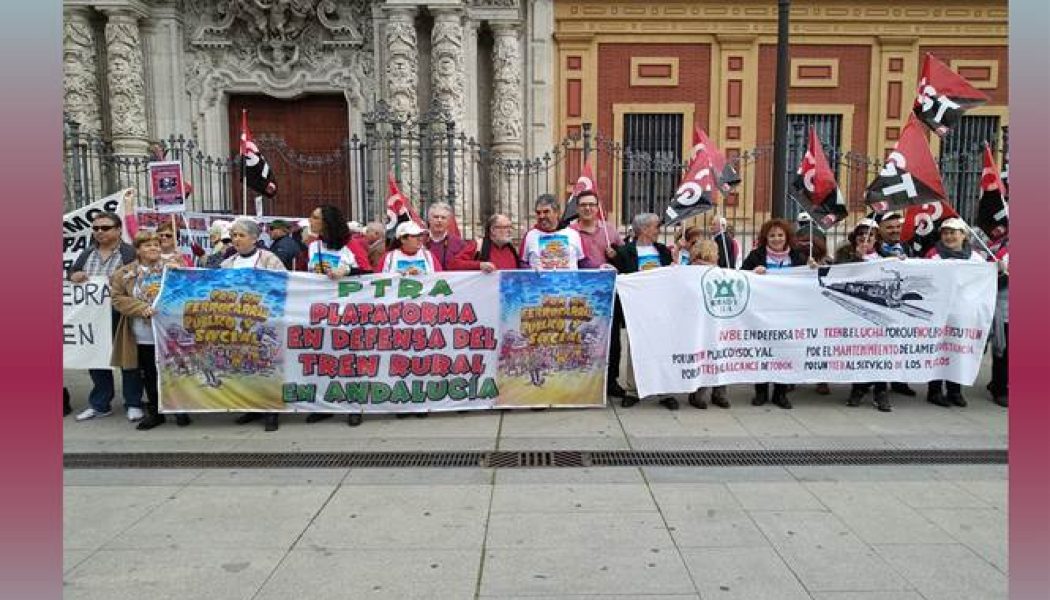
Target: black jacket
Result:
[626, 260]
[729, 247]
[287, 248]
[127, 255]
[757, 258]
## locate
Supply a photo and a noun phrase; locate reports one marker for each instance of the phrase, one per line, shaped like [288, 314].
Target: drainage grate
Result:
[527, 459]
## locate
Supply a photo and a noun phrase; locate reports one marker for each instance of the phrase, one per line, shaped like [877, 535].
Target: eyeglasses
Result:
[165, 235]
[588, 205]
[103, 227]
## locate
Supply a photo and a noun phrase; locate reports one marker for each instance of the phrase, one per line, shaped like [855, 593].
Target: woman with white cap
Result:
[953, 245]
[408, 255]
[861, 248]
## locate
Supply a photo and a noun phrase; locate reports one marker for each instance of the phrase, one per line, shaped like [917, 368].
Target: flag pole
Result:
[724, 231]
[973, 234]
[244, 167]
[811, 238]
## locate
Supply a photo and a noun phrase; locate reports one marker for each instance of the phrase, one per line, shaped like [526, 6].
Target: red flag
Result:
[696, 193]
[992, 209]
[909, 176]
[815, 188]
[257, 172]
[943, 96]
[398, 207]
[725, 174]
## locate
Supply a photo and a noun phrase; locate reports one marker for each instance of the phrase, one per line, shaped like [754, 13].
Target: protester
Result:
[705, 253]
[443, 244]
[102, 258]
[375, 237]
[495, 251]
[998, 339]
[598, 239]
[219, 236]
[643, 253]
[329, 253]
[861, 248]
[890, 244]
[282, 244]
[408, 256]
[729, 254]
[547, 247]
[810, 240]
[776, 250]
[953, 245]
[169, 249]
[133, 289]
[359, 246]
[683, 251]
[244, 235]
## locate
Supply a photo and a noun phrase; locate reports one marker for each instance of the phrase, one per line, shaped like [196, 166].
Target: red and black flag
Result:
[922, 225]
[992, 208]
[943, 96]
[815, 188]
[909, 176]
[725, 175]
[696, 193]
[584, 183]
[398, 208]
[257, 173]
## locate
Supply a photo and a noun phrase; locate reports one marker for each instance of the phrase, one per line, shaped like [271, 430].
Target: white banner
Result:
[76, 225]
[87, 334]
[891, 320]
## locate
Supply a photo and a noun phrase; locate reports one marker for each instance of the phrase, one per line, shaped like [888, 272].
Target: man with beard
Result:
[549, 248]
[493, 252]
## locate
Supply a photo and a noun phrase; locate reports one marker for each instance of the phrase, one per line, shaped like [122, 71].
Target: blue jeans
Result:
[102, 392]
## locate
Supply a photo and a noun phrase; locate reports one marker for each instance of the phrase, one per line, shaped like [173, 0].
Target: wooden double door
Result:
[305, 142]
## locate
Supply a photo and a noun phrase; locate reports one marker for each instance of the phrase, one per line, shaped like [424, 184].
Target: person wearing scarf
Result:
[953, 245]
[775, 250]
[244, 235]
[134, 287]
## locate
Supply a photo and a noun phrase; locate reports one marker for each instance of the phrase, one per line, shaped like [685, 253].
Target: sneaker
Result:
[354, 419]
[669, 403]
[135, 414]
[90, 413]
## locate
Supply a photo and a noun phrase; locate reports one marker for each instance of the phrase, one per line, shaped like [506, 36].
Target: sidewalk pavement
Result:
[748, 533]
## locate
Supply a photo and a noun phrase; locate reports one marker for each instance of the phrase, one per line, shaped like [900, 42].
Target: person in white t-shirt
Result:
[408, 256]
[329, 253]
[546, 247]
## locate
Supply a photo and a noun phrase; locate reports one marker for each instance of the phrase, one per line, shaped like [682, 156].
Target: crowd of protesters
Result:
[326, 243]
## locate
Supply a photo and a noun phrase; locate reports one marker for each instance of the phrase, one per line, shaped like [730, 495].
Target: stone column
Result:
[83, 96]
[507, 126]
[448, 85]
[402, 82]
[126, 82]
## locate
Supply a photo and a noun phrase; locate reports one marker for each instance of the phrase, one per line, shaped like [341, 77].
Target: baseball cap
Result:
[865, 222]
[408, 228]
[954, 223]
[280, 224]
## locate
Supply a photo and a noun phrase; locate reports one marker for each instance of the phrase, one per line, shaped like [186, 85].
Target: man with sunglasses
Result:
[107, 253]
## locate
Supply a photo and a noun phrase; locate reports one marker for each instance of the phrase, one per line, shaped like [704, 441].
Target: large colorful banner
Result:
[76, 225]
[890, 320]
[87, 334]
[253, 340]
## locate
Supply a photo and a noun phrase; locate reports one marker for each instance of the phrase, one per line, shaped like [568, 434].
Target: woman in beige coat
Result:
[134, 287]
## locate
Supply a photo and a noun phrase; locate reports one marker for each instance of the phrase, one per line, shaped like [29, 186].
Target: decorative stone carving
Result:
[507, 89]
[402, 77]
[126, 81]
[446, 55]
[82, 99]
[494, 3]
[279, 47]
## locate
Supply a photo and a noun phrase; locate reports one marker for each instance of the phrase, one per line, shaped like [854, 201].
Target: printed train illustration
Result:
[887, 292]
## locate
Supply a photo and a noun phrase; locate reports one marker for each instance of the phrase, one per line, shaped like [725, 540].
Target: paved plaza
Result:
[753, 533]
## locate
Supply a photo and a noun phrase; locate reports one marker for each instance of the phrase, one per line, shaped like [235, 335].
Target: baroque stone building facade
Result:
[141, 70]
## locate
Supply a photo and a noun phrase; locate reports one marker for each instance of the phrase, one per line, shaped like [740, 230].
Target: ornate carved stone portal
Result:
[82, 93]
[280, 48]
[126, 81]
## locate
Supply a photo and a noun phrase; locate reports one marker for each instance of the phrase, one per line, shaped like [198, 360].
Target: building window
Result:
[962, 159]
[652, 165]
[829, 131]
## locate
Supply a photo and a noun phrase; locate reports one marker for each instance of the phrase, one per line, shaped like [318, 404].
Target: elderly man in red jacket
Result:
[493, 252]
